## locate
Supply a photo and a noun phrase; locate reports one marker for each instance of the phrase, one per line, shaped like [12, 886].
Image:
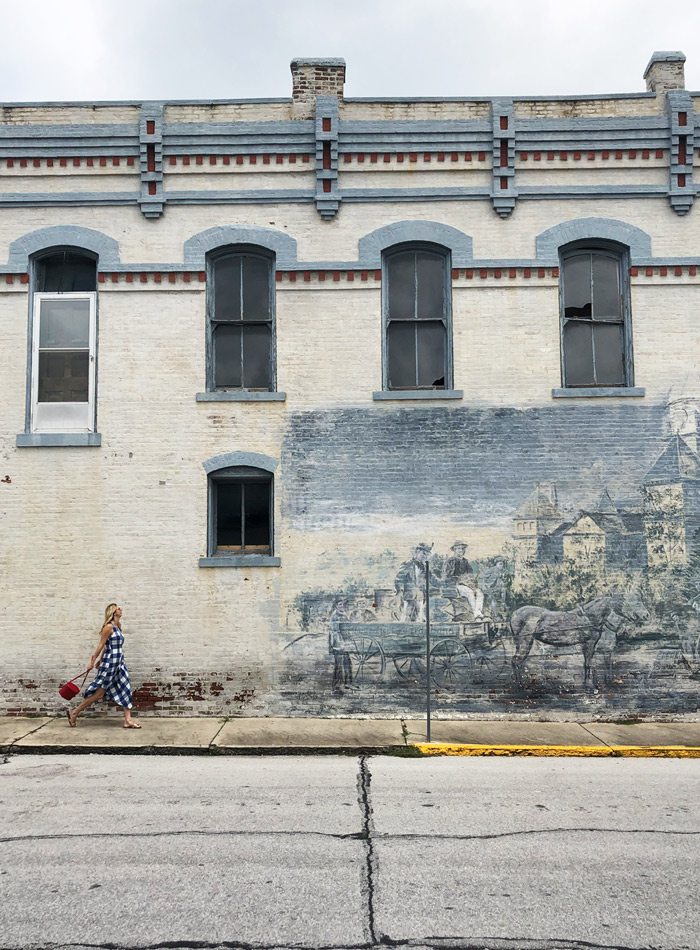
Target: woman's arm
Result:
[97, 655]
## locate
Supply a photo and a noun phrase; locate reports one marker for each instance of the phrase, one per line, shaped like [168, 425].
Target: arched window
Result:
[240, 328]
[240, 511]
[596, 342]
[63, 356]
[417, 317]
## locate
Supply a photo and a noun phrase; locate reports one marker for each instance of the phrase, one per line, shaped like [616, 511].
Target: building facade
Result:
[276, 373]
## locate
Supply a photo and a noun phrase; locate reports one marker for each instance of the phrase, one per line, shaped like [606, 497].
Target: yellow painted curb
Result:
[666, 751]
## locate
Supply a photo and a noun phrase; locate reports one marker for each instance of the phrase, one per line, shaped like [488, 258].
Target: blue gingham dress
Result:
[112, 674]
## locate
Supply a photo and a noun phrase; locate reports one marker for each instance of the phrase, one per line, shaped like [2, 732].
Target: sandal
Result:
[71, 720]
[131, 725]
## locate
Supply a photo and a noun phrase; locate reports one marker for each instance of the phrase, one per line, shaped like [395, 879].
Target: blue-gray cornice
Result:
[371, 245]
[63, 235]
[548, 243]
[235, 459]
[282, 245]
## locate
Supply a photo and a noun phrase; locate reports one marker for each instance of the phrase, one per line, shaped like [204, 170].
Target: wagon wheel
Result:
[409, 666]
[368, 660]
[492, 659]
[450, 664]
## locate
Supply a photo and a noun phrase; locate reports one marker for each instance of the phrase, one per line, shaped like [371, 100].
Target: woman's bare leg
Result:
[128, 721]
[74, 713]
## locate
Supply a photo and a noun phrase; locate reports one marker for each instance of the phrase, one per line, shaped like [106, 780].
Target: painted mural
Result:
[559, 560]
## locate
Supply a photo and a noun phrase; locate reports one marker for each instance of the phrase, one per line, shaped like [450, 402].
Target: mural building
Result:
[295, 380]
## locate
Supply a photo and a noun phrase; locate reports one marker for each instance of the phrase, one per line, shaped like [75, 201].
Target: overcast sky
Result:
[229, 49]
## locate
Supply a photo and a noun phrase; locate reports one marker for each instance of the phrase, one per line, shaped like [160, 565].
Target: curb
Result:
[580, 751]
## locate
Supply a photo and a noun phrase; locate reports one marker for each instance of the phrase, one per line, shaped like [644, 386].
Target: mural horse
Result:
[583, 626]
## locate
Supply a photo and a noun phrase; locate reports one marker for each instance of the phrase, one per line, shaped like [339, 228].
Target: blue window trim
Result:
[445, 253]
[622, 253]
[237, 460]
[214, 255]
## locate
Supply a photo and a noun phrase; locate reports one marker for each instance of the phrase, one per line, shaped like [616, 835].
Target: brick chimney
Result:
[665, 71]
[315, 77]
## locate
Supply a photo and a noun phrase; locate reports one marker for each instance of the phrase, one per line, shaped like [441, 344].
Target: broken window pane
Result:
[430, 342]
[577, 286]
[578, 354]
[257, 356]
[401, 354]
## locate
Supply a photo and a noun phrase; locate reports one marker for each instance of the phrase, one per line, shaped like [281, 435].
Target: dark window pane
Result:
[401, 355]
[608, 342]
[606, 287]
[257, 514]
[229, 523]
[65, 324]
[66, 272]
[63, 377]
[578, 354]
[431, 286]
[401, 273]
[256, 288]
[257, 356]
[227, 356]
[431, 354]
[227, 288]
[577, 286]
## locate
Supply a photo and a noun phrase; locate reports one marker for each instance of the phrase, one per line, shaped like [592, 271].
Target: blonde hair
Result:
[110, 611]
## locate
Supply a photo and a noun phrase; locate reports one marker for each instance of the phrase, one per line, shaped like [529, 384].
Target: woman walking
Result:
[112, 678]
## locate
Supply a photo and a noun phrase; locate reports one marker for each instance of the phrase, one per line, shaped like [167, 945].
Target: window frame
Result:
[621, 254]
[213, 257]
[243, 474]
[35, 428]
[446, 255]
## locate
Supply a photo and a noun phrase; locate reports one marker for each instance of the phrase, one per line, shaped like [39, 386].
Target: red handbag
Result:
[69, 690]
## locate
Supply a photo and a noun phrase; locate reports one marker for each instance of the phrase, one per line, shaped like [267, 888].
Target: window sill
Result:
[34, 440]
[241, 397]
[241, 560]
[597, 392]
[416, 394]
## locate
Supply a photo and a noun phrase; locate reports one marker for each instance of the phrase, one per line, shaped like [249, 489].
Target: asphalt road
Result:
[333, 852]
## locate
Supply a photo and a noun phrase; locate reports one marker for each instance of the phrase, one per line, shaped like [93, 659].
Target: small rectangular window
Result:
[63, 362]
[242, 512]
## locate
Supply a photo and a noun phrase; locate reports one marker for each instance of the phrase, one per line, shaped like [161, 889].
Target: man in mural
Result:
[342, 667]
[459, 579]
[410, 584]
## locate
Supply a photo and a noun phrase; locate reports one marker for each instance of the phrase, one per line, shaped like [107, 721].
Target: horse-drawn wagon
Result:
[460, 652]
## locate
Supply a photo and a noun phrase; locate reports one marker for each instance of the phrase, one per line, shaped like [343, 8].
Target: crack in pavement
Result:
[367, 835]
[364, 780]
[426, 943]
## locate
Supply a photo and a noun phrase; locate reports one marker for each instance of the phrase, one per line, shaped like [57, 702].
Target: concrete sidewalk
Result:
[167, 735]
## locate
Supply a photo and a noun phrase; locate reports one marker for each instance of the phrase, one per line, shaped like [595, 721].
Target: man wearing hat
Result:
[410, 583]
[459, 576]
